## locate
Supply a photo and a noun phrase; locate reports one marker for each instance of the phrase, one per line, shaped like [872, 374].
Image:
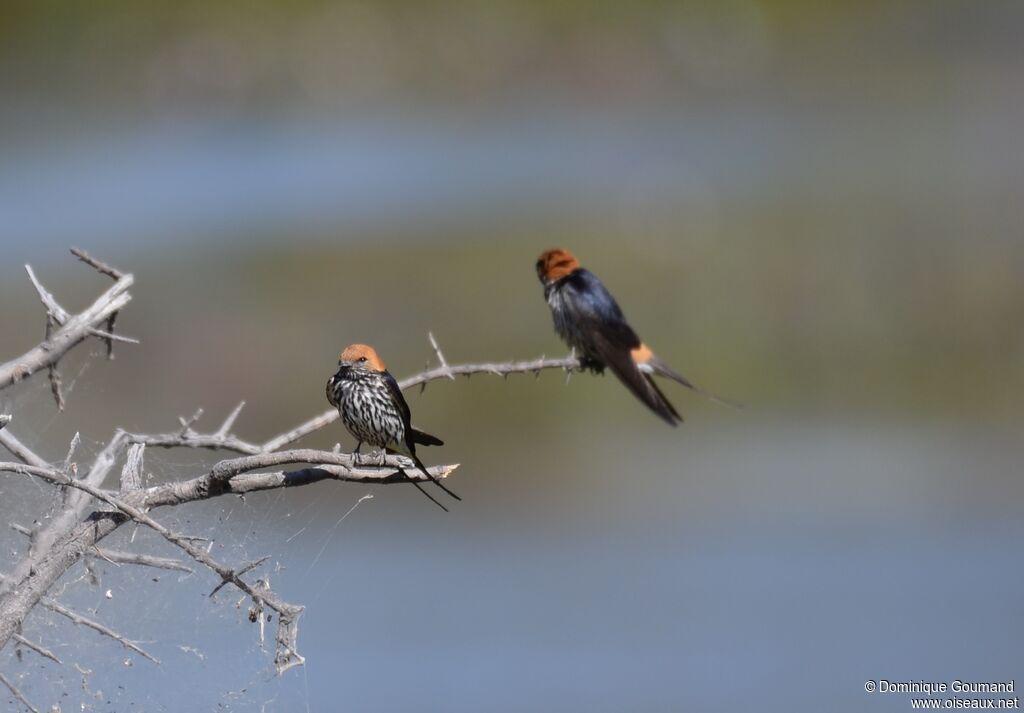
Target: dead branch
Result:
[288, 614]
[353, 463]
[38, 648]
[82, 620]
[21, 529]
[72, 330]
[36, 573]
[17, 694]
[251, 566]
[118, 557]
[502, 369]
[440, 355]
[131, 473]
[18, 449]
[229, 476]
[75, 529]
[100, 267]
[85, 621]
[104, 269]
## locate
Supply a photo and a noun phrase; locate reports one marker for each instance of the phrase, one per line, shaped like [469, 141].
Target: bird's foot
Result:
[591, 365]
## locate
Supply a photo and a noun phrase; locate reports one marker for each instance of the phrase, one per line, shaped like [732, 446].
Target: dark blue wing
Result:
[412, 436]
[600, 321]
[403, 407]
[596, 311]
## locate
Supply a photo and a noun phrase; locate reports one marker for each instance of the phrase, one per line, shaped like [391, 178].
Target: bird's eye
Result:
[362, 358]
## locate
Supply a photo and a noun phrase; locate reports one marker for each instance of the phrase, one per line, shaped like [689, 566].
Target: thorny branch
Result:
[17, 694]
[85, 621]
[503, 369]
[67, 330]
[287, 655]
[82, 620]
[119, 557]
[38, 648]
[79, 524]
[230, 476]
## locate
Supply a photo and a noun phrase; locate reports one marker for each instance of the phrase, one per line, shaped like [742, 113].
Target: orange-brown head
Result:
[555, 264]
[361, 356]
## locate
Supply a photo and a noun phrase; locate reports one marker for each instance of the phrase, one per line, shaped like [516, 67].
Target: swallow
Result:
[591, 323]
[374, 410]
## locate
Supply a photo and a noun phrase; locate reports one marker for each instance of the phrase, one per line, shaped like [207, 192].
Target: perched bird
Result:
[374, 410]
[590, 321]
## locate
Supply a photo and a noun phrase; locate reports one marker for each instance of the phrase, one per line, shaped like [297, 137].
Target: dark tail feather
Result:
[641, 386]
[425, 439]
[663, 369]
[429, 496]
[435, 481]
[664, 408]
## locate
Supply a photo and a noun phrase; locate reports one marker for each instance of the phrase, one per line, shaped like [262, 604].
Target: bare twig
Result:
[225, 428]
[108, 336]
[102, 267]
[194, 440]
[74, 501]
[187, 438]
[38, 648]
[20, 529]
[19, 450]
[52, 373]
[53, 308]
[187, 423]
[440, 357]
[131, 473]
[226, 469]
[326, 418]
[69, 458]
[17, 694]
[287, 614]
[60, 315]
[55, 386]
[199, 488]
[57, 316]
[85, 621]
[251, 566]
[73, 330]
[233, 476]
[119, 557]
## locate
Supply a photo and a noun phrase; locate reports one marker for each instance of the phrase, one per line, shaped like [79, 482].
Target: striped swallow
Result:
[374, 410]
[590, 321]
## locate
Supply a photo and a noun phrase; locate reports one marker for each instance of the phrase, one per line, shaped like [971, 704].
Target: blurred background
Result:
[813, 208]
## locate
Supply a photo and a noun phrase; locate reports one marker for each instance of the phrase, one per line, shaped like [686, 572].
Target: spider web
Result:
[211, 655]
